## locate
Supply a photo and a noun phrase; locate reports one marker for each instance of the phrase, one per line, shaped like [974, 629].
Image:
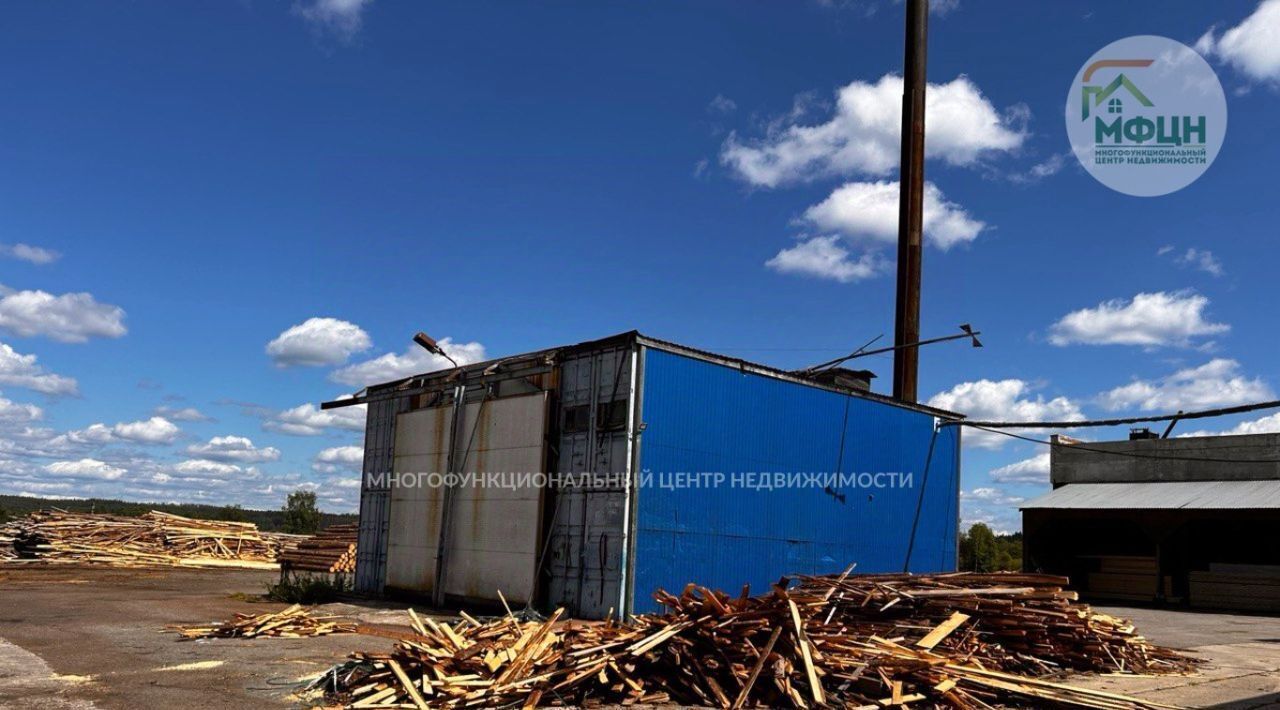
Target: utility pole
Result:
[910, 204]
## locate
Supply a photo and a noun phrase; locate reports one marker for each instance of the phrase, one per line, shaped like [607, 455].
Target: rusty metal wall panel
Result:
[421, 449]
[586, 559]
[495, 530]
[375, 494]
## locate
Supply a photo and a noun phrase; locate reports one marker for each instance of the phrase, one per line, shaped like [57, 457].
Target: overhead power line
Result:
[1180, 416]
[1129, 454]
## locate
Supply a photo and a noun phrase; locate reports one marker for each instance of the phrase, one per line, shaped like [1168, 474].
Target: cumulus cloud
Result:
[69, 318]
[310, 420]
[339, 458]
[1004, 400]
[193, 467]
[85, 468]
[825, 257]
[413, 361]
[1217, 383]
[870, 210]
[1149, 319]
[19, 412]
[991, 506]
[25, 252]
[1032, 470]
[23, 371]
[991, 495]
[862, 138]
[233, 448]
[318, 341]
[1251, 47]
[1269, 424]
[156, 430]
[342, 18]
[183, 414]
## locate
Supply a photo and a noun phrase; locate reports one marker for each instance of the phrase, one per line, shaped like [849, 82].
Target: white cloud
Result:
[862, 137]
[1252, 47]
[318, 341]
[183, 414]
[870, 210]
[1048, 167]
[1150, 319]
[1269, 424]
[204, 468]
[310, 420]
[25, 252]
[23, 371]
[1201, 259]
[992, 495]
[414, 361]
[1217, 383]
[341, 17]
[156, 430]
[339, 458]
[1032, 470]
[85, 468]
[722, 104]
[233, 448]
[992, 507]
[824, 257]
[1003, 400]
[17, 412]
[69, 318]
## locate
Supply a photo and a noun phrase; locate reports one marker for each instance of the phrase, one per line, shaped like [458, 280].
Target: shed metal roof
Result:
[1162, 495]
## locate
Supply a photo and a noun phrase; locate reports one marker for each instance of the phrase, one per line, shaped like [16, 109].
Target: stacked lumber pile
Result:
[1236, 586]
[294, 622]
[868, 641]
[331, 550]
[154, 539]
[1126, 578]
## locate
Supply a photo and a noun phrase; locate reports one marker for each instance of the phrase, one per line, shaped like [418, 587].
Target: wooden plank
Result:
[803, 642]
[943, 630]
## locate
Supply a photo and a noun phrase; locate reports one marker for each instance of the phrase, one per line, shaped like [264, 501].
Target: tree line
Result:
[298, 515]
[981, 550]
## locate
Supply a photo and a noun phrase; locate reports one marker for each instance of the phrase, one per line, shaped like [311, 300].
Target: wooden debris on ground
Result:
[294, 622]
[866, 641]
[153, 539]
[332, 550]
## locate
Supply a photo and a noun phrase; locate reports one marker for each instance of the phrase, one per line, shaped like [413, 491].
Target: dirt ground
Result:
[79, 637]
[82, 638]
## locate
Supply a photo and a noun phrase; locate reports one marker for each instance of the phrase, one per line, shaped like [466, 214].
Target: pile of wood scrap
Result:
[332, 550]
[152, 539]
[294, 622]
[866, 641]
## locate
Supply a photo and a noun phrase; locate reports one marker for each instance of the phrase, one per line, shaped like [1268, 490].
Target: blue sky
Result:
[183, 184]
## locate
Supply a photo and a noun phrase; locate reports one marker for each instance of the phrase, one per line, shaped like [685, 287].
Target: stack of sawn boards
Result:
[869, 641]
[152, 539]
[1233, 586]
[332, 550]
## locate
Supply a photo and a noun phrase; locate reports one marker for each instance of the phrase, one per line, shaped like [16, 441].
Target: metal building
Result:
[1191, 520]
[683, 451]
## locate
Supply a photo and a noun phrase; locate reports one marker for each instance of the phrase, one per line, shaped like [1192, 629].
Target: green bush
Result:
[306, 590]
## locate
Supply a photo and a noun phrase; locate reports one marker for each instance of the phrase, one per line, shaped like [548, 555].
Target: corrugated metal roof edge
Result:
[648, 341]
[1153, 492]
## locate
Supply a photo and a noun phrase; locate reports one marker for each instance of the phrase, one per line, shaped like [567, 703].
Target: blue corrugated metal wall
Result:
[705, 417]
